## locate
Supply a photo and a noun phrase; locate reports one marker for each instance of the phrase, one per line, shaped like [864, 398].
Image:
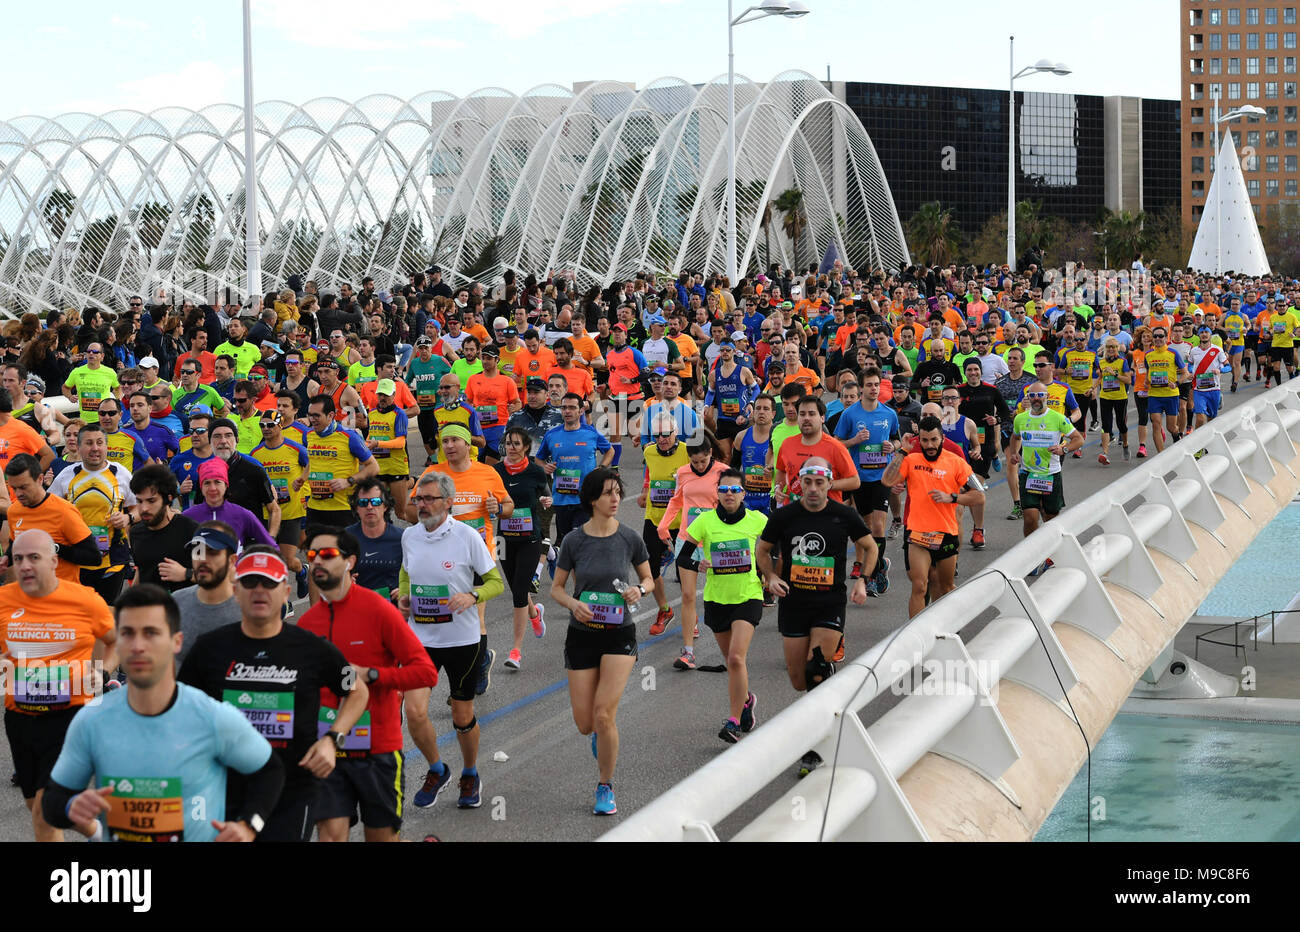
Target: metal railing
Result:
[859, 798]
[1236, 625]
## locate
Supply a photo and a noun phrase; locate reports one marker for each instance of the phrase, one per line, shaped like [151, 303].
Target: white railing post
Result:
[1092, 611]
[1136, 572]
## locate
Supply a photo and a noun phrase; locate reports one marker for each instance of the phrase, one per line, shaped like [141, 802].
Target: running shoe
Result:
[747, 717]
[997, 464]
[666, 561]
[686, 661]
[302, 582]
[538, 621]
[1234, 388]
[551, 556]
[605, 804]
[895, 528]
[1126, 453]
[838, 656]
[433, 784]
[536, 585]
[769, 598]
[485, 673]
[730, 732]
[696, 635]
[661, 621]
[1016, 512]
[1142, 451]
[1077, 455]
[808, 763]
[977, 539]
[1103, 459]
[882, 577]
[471, 792]
[871, 587]
[513, 661]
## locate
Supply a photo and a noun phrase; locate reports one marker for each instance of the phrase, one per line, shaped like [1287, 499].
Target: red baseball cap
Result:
[622, 327]
[268, 565]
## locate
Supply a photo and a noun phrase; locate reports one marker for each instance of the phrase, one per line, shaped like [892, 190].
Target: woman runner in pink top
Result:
[697, 492]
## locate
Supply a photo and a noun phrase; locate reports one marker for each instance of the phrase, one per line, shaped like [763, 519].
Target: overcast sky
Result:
[144, 54]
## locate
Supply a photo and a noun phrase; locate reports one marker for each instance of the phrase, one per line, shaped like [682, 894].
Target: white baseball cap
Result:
[149, 363]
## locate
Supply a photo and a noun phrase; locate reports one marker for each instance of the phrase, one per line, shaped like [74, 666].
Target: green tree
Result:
[933, 234]
[57, 209]
[794, 221]
[1124, 236]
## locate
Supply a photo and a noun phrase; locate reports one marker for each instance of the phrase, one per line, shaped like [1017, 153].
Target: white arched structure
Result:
[604, 181]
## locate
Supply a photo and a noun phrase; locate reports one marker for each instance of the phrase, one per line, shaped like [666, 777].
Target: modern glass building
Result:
[602, 180]
[950, 145]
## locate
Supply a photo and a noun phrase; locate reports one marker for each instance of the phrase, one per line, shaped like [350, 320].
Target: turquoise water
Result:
[1178, 779]
[1264, 579]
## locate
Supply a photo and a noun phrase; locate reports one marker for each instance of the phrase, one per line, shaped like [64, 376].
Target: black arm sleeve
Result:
[83, 552]
[54, 804]
[262, 790]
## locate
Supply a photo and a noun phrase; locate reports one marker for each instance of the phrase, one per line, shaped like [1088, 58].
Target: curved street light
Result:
[1042, 66]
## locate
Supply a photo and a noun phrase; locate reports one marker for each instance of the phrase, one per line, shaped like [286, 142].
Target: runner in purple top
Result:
[213, 478]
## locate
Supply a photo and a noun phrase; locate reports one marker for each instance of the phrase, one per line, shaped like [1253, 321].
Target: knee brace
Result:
[467, 728]
[816, 670]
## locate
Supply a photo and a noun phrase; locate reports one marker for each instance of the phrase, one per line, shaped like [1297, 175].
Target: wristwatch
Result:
[372, 676]
[954, 498]
[337, 737]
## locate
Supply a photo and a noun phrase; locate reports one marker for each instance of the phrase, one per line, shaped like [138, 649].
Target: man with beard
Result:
[935, 373]
[937, 482]
[374, 637]
[160, 539]
[209, 603]
[1040, 436]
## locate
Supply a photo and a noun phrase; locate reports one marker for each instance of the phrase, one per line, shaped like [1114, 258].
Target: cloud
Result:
[195, 85]
[400, 24]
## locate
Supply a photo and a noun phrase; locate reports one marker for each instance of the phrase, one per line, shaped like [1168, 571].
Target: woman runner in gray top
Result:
[600, 648]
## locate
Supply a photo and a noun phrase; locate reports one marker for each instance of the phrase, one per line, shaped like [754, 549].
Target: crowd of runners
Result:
[247, 548]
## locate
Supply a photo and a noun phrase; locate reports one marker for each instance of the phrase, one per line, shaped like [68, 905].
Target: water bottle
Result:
[620, 587]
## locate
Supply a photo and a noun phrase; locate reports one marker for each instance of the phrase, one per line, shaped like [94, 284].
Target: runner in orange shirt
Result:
[937, 481]
[34, 508]
[533, 361]
[579, 380]
[495, 398]
[50, 629]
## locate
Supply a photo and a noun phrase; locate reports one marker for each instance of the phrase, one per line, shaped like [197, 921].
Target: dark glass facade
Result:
[1162, 146]
[950, 144]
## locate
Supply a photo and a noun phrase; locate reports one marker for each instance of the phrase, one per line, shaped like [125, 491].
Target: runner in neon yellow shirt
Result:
[733, 593]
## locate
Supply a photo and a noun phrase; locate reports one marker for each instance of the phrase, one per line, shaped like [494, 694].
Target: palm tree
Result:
[1124, 235]
[794, 221]
[57, 209]
[933, 234]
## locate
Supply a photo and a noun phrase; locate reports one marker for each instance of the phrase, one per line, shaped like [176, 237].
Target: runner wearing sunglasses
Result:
[1039, 438]
[274, 673]
[733, 594]
[285, 463]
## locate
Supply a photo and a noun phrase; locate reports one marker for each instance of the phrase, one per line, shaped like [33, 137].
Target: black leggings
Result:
[1088, 406]
[1141, 401]
[520, 563]
[1114, 412]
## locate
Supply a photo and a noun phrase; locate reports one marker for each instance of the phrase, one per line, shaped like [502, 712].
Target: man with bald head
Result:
[50, 629]
[931, 376]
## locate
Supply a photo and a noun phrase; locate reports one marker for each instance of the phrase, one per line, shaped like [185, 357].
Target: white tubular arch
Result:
[603, 181]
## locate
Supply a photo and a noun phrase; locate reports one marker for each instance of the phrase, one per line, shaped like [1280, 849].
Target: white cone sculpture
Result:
[1228, 237]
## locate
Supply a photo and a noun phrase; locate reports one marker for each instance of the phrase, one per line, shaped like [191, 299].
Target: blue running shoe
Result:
[471, 792]
[433, 785]
[485, 672]
[302, 583]
[881, 578]
[604, 800]
[997, 464]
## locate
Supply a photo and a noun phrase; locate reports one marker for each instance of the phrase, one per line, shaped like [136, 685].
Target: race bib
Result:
[1279, 326]
[729, 557]
[281, 487]
[758, 479]
[567, 481]
[1080, 371]
[812, 572]
[607, 608]
[429, 400]
[661, 491]
[90, 401]
[980, 433]
[1039, 482]
[146, 809]
[691, 515]
[1110, 383]
[103, 536]
[487, 415]
[1207, 381]
[1159, 378]
[356, 743]
[930, 540]
[319, 483]
[43, 688]
[519, 524]
[270, 713]
[430, 605]
[872, 454]
[730, 407]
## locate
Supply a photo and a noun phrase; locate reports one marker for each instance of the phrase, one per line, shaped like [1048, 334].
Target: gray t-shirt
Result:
[198, 618]
[595, 563]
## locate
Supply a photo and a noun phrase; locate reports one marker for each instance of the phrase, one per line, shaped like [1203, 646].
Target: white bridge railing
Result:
[957, 716]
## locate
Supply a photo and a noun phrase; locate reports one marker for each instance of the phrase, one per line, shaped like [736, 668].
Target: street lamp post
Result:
[791, 10]
[1248, 110]
[252, 240]
[1042, 65]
